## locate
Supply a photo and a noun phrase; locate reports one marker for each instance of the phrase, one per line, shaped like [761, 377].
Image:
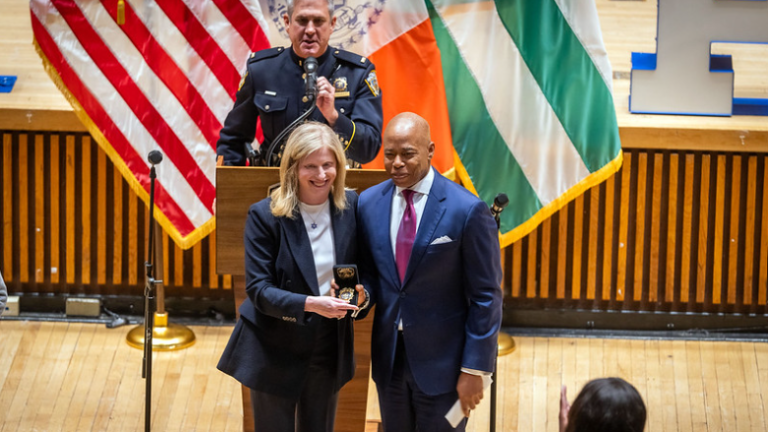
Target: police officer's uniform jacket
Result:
[273, 90]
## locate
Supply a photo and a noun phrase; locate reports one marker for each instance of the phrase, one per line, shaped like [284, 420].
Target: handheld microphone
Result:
[155, 157]
[310, 79]
[252, 154]
[499, 203]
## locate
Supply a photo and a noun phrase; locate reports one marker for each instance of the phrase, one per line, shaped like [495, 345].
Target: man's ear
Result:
[286, 19]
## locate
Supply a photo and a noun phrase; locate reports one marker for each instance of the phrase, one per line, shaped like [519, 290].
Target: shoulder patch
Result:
[265, 53]
[373, 83]
[351, 58]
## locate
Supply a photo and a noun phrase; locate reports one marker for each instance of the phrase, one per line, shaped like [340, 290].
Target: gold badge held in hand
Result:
[347, 294]
[346, 278]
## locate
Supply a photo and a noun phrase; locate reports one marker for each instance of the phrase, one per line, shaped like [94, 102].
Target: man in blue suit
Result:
[434, 272]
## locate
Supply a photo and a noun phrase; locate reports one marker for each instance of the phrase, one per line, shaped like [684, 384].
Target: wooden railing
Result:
[673, 231]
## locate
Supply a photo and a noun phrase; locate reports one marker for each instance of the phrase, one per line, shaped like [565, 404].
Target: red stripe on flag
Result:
[127, 153]
[135, 99]
[245, 24]
[203, 43]
[168, 71]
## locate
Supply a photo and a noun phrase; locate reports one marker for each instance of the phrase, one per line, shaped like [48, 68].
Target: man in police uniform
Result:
[348, 96]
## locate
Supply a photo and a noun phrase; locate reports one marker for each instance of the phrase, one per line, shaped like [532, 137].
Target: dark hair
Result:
[607, 405]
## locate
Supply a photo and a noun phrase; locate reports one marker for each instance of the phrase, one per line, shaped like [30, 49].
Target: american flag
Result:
[146, 75]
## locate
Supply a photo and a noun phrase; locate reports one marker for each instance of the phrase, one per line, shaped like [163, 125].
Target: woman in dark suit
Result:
[292, 346]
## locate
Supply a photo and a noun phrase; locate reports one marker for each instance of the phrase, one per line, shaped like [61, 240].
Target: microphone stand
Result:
[149, 299]
[310, 94]
[505, 342]
[276, 142]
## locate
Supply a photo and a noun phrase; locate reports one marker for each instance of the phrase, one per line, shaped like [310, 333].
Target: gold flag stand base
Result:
[506, 344]
[165, 337]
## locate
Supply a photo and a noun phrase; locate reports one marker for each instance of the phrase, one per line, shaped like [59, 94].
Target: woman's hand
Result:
[327, 306]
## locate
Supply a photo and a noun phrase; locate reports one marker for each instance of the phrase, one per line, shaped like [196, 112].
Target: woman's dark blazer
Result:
[271, 345]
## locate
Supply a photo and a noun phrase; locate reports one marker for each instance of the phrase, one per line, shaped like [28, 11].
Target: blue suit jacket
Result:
[450, 300]
[272, 343]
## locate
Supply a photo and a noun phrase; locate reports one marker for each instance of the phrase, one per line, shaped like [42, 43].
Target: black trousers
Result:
[405, 408]
[315, 411]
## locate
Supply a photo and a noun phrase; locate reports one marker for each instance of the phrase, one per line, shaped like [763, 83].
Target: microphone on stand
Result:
[252, 154]
[273, 153]
[310, 78]
[504, 341]
[499, 203]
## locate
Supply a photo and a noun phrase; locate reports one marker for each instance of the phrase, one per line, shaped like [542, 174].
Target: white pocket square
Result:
[441, 240]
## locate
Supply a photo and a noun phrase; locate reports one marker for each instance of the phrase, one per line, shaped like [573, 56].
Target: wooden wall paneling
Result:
[592, 244]
[85, 212]
[749, 228]
[55, 220]
[8, 204]
[514, 273]
[736, 240]
[38, 212]
[178, 266]
[608, 245]
[531, 256]
[117, 228]
[687, 221]
[567, 263]
[762, 258]
[197, 267]
[102, 203]
[545, 256]
[719, 231]
[637, 244]
[623, 228]
[702, 234]
[166, 258]
[69, 205]
[577, 237]
[213, 278]
[655, 249]
[671, 232]
[562, 250]
[23, 217]
[133, 239]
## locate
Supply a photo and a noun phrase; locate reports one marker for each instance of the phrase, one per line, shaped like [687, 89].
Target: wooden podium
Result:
[236, 189]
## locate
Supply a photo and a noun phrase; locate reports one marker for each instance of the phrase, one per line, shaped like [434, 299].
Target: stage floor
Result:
[84, 377]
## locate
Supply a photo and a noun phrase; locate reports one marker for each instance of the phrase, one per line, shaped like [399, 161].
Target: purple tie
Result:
[405, 234]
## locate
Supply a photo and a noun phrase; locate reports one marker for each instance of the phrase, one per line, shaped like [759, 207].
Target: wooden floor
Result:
[84, 377]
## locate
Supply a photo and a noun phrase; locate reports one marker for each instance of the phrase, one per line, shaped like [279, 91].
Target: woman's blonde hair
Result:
[303, 141]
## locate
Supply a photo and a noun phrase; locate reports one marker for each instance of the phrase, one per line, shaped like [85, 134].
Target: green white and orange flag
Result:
[517, 92]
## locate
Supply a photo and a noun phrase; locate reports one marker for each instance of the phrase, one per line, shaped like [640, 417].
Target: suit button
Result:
[402, 295]
[266, 108]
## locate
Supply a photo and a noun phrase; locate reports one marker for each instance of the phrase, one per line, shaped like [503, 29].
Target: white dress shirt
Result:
[420, 196]
[321, 239]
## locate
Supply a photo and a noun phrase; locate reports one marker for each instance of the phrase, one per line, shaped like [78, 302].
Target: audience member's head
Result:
[607, 405]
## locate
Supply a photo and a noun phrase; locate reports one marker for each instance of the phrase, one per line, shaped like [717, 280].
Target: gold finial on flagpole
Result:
[120, 12]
